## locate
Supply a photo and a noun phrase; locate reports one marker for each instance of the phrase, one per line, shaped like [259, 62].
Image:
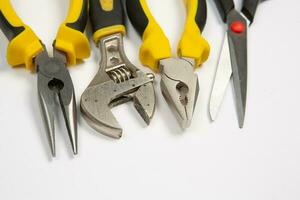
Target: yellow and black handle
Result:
[107, 18]
[156, 46]
[70, 37]
[23, 45]
[192, 43]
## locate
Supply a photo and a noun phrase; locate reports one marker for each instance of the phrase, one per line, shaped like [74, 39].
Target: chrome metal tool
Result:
[118, 80]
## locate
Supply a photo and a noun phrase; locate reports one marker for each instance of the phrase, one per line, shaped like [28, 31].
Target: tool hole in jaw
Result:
[183, 91]
[56, 85]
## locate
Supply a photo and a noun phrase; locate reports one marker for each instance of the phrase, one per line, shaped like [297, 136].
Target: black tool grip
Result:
[224, 7]
[249, 8]
[106, 15]
[201, 15]
[81, 21]
[137, 15]
[8, 29]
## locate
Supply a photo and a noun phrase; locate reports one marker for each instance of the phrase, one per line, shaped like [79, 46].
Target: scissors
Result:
[233, 58]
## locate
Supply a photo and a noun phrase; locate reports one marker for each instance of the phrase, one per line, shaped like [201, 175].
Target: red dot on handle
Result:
[237, 27]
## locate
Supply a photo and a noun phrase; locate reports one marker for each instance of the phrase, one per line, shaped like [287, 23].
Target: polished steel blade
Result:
[237, 41]
[222, 78]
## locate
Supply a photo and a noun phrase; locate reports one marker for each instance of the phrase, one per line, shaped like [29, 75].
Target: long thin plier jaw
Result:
[54, 83]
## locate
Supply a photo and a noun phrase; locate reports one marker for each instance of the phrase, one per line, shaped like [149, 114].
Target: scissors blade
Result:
[237, 40]
[223, 75]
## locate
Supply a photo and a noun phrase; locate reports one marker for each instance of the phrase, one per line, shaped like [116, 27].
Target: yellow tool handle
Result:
[192, 44]
[155, 46]
[23, 45]
[70, 37]
[107, 17]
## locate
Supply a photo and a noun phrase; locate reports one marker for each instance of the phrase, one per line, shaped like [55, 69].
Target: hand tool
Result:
[117, 81]
[179, 84]
[233, 58]
[53, 81]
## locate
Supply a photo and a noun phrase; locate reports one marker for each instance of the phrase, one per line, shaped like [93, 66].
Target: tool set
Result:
[118, 81]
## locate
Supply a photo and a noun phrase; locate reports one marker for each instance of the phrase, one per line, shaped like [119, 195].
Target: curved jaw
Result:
[97, 101]
[180, 87]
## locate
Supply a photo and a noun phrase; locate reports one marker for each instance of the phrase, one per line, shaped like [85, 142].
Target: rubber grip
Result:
[107, 18]
[155, 45]
[249, 9]
[224, 7]
[23, 45]
[70, 37]
[192, 44]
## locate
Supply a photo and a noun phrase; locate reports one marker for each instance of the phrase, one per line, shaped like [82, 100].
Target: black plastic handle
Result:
[201, 16]
[81, 22]
[137, 15]
[103, 15]
[224, 7]
[9, 30]
[140, 21]
[249, 8]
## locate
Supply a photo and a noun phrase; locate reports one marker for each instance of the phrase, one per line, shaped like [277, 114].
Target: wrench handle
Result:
[107, 18]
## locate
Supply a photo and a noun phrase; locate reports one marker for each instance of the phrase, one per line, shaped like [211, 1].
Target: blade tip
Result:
[53, 152]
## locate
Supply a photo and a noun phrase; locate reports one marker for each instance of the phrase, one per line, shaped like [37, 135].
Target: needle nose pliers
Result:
[179, 83]
[53, 80]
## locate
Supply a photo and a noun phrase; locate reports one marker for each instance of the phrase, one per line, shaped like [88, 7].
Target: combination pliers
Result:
[53, 81]
[179, 83]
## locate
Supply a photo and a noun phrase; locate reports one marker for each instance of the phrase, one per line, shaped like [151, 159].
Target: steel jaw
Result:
[117, 82]
[180, 87]
[55, 83]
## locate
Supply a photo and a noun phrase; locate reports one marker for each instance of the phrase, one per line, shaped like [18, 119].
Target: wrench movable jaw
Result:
[97, 101]
[144, 102]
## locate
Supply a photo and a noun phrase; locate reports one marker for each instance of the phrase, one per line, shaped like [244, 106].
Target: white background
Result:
[209, 161]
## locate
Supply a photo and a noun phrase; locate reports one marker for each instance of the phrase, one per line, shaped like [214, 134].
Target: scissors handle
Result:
[249, 9]
[224, 7]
